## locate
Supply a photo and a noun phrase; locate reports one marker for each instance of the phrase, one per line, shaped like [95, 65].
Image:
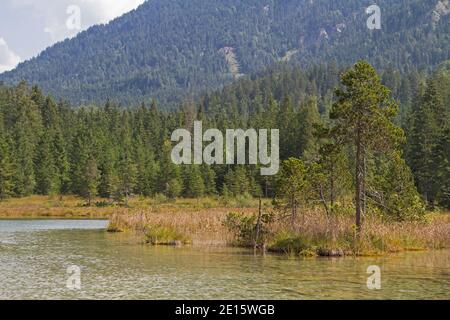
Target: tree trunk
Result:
[359, 181]
[266, 189]
[332, 188]
[258, 225]
[363, 190]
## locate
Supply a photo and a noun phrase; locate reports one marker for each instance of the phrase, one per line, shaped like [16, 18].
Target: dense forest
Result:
[168, 50]
[49, 148]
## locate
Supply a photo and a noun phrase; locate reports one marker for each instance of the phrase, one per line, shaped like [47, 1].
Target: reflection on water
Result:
[34, 256]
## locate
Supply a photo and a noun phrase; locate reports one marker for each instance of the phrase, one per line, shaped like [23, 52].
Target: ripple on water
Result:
[34, 257]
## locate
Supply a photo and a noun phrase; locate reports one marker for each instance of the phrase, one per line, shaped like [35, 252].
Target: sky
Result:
[27, 27]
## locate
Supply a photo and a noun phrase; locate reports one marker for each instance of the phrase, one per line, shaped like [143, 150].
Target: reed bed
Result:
[202, 222]
[312, 232]
[199, 226]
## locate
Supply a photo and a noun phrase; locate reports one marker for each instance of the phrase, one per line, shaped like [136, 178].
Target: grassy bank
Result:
[208, 222]
[51, 207]
[197, 222]
[75, 207]
[311, 233]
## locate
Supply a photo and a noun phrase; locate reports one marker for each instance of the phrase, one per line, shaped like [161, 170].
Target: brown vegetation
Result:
[202, 222]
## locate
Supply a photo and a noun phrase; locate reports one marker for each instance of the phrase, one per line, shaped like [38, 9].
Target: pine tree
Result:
[363, 118]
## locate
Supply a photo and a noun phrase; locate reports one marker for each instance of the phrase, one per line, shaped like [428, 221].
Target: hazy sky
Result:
[29, 26]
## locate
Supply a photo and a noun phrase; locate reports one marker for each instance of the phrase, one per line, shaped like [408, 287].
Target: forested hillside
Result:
[51, 148]
[170, 49]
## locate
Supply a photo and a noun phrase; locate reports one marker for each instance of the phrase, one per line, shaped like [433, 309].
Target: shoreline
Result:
[211, 222]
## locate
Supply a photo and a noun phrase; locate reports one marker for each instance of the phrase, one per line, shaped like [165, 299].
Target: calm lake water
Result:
[35, 255]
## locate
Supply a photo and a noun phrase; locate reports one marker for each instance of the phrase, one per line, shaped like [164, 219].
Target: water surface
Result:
[35, 255]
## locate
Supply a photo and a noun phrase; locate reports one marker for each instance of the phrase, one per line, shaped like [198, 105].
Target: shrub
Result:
[244, 201]
[159, 198]
[103, 204]
[244, 228]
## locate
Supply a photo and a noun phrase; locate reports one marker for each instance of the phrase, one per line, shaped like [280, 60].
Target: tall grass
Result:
[203, 222]
[200, 226]
[311, 233]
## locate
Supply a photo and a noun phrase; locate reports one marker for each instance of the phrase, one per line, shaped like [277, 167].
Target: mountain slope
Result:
[167, 49]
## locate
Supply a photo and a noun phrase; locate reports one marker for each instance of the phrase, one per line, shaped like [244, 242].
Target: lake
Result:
[35, 256]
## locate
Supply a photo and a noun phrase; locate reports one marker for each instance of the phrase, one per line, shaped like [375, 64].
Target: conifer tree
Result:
[363, 117]
[292, 190]
[427, 144]
[209, 180]
[91, 178]
[308, 119]
[6, 169]
[47, 179]
[194, 184]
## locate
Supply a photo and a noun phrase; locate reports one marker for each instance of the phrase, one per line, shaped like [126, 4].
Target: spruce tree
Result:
[6, 168]
[91, 177]
[194, 184]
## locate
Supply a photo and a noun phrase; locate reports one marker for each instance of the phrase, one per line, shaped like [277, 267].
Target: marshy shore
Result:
[209, 222]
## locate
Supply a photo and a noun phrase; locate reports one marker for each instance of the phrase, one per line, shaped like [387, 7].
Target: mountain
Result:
[170, 49]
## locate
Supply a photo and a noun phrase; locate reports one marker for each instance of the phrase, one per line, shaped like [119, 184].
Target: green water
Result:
[35, 254]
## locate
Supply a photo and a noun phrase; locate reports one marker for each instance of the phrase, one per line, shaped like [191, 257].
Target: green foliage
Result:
[427, 150]
[167, 49]
[330, 178]
[50, 148]
[293, 244]
[6, 169]
[363, 119]
[293, 185]
[392, 189]
[91, 177]
[195, 185]
[244, 228]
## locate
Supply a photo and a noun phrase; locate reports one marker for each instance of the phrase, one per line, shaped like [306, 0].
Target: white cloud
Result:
[105, 10]
[8, 59]
[53, 15]
[92, 12]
